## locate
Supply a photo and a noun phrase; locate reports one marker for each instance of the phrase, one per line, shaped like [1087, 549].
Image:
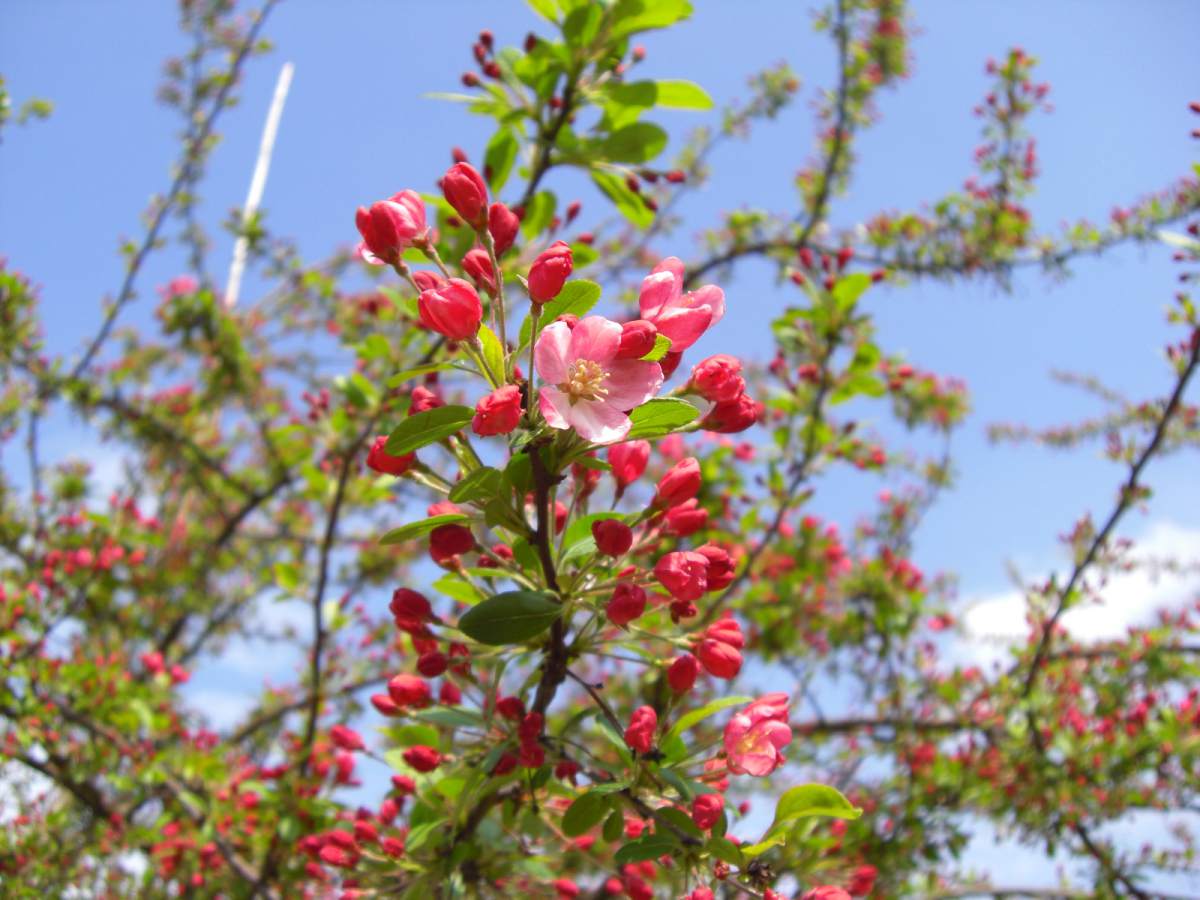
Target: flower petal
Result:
[595, 338]
[658, 290]
[554, 405]
[709, 296]
[598, 421]
[631, 382]
[551, 354]
[684, 326]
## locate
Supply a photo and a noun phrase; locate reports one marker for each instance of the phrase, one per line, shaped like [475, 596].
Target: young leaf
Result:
[628, 204]
[636, 143]
[577, 298]
[510, 618]
[682, 95]
[660, 416]
[427, 427]
[493, 355]
[688, 719]
[421, 528]
[813, 800]
[499, 157]
[662, 346]
[481, 484]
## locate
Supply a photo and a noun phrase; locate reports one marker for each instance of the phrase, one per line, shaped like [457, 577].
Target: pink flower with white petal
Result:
[587, 387]
[681, 317]
[754, 737]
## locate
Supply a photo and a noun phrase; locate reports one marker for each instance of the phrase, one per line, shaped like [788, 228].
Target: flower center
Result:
[585, 381]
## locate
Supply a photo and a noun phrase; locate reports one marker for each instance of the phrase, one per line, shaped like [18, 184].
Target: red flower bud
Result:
[706, 810]
[727, 631]
[719, 659]
[511, 707]
[732, 416]
[454, 310]
[628, 461]
[426, 279]
[686, 518]
[409, 690]
[637, 339]
[423, 399]
[432, 664]
[477, 264]
[683, 573]
[825, 892]
[346, 738]
[422, 758]
[465, 191]
[386, 705]
[628, 603]
[718, 379]
[410, 609]
[389, 227]
[720, 566]
[499, 412]
[379, 460]
[549, 272]
[670, 363]
[681, 483]
[682, 673]
[503, 225]
[448, 541]
[639, 735]
[613, 537]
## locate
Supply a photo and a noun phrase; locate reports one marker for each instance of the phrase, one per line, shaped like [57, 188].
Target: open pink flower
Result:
[754, 737]
[681, 317]
[588, 388]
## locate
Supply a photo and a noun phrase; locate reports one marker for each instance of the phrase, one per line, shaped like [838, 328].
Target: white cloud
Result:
[1128, 599]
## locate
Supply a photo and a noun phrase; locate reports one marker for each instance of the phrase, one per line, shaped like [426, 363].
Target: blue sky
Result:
[357, 127]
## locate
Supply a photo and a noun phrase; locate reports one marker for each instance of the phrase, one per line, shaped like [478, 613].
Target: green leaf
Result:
[457, 589]
[688, 719]
[538, 213]
[449, 716]
[725, 849]
[510, 618]
[628, 204]
[662, 346]
[681, 820]
[577, 297]
[849, 288]
[481, 484]
[493, 355]
[400, 377]
[421, 528]
[547, 9]
[812, 800]
[636, 143]
[614, 827]
[427, 427]
[584, 814]
[582, 24]
[632, 16]
[648, 846]
[682, 95]
[660, 416]
[499, 157]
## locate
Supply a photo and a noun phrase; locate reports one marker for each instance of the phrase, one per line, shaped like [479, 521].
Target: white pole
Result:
[258, 182]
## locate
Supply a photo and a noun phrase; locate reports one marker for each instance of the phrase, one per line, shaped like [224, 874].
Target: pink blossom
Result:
[390, 226]
[681, 317]
[754, 737]
[588, 388]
